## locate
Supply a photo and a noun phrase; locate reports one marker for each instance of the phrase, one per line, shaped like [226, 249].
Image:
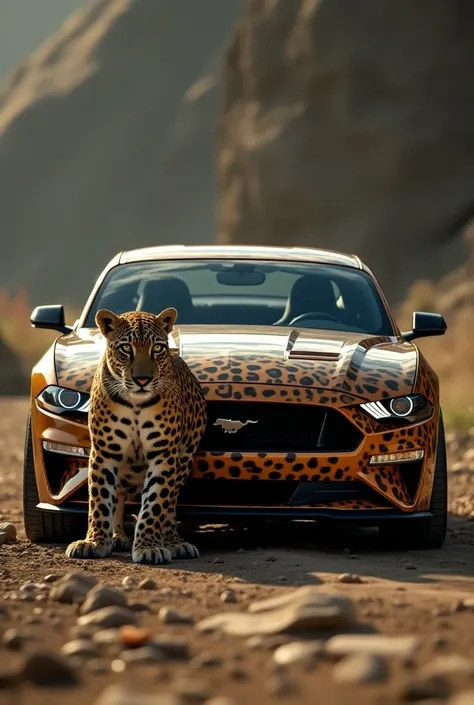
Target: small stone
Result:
[349, 578]
[228, 596]
[106, 637]
[147, 584]
[449, 665]
[79, 648]
[361, 668]
[306, 652]
[376, 644]
[9, 530]
[144, 654]
[51, 578]
[139, 607]
[240, 551]
[467, 604]
[133, 637]
[118, 665]
[14, 639]
[168, 615]
[44, 668]
[128, 581]
[102, 596]
[108, 618]
[72, 588]
[430, 687]
[174, 648]
[217, 560]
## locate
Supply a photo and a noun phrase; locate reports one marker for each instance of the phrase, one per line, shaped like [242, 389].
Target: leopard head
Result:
[137, 353]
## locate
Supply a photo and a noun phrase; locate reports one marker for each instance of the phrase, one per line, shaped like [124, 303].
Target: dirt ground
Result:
[411, 593]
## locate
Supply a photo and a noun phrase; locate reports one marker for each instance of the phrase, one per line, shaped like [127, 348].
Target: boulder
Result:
[348, 125]
[107, 141]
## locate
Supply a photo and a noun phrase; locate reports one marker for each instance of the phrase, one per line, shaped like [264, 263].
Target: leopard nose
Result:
[141, 381]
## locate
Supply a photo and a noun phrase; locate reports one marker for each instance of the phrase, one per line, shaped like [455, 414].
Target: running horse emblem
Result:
[231, 426]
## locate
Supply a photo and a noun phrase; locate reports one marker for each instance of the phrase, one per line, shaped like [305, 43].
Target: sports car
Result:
[319, 407]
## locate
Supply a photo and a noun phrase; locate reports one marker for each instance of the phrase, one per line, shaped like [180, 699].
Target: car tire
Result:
[426, 533]
[44, 527]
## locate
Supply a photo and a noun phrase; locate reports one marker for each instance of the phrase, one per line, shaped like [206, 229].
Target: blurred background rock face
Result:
[329, 123]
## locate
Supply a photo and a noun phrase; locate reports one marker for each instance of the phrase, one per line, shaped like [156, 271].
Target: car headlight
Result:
[409, 408]
[60, 400]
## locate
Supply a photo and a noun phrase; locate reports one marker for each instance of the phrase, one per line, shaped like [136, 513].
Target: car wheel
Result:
[44, 527]
[426, 533]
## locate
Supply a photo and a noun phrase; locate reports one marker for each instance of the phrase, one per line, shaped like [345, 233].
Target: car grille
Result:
[279, 427]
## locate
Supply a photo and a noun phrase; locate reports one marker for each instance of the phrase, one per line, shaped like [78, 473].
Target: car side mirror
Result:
[50, 318]
[426, 325]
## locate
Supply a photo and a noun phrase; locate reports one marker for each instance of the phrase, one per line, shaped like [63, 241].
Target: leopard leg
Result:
[102, 482]
[148, 544]
[173, 541]
[120, 538]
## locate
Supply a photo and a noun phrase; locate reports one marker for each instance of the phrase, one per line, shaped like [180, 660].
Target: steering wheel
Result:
[312, 315]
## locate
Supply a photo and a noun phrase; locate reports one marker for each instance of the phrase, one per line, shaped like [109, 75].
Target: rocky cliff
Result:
[350, 125]
[107, 141]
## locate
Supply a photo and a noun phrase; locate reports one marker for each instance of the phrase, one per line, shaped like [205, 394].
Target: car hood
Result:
[370, 367]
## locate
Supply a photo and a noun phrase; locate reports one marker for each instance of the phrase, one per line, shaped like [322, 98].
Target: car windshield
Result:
[236, 292]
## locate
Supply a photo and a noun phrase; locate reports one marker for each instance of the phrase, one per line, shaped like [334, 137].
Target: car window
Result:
[228, 292]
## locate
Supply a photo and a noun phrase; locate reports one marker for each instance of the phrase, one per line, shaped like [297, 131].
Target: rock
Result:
[102, 596]
[307, 652]
[3, 538]
[449, 665]
[108, 618]
[361, 668]
[424, 688]
[128, 581]
[72, 588]
[80, 648]
[14, 639]
[168, 615]
[228, 596]
[349, 578]
[133, 637]
[148, 584]
[44, 668]
[173, 647]
[10, 531]
[320, 107]
[304, 609]
[376, 644]
[144, 654]
[467, 604]
[106, 637]
[118, 695]
[51, 578]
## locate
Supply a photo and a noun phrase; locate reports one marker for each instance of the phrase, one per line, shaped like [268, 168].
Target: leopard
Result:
[146, 420]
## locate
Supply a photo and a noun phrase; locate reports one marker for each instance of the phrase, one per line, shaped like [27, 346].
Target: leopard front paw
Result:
[183, 549]
[152, 555]
[88, 549]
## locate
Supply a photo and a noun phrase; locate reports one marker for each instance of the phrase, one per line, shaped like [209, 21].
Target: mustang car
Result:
[319, 407]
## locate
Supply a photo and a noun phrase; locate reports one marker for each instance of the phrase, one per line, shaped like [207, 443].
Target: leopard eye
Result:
[125, 348]
[158, 348]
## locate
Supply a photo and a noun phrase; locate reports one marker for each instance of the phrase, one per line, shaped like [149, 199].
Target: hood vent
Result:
[313, 355]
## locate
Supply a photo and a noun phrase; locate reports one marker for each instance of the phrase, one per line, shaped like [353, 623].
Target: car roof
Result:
[299, 254]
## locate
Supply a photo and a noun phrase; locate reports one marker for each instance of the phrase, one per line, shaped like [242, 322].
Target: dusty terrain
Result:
[407, 594]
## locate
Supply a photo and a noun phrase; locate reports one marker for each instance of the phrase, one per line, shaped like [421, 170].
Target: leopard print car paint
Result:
[300, 368]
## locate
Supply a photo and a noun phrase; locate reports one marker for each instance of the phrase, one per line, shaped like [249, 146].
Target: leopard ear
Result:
[167, 318]
[107, 322]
